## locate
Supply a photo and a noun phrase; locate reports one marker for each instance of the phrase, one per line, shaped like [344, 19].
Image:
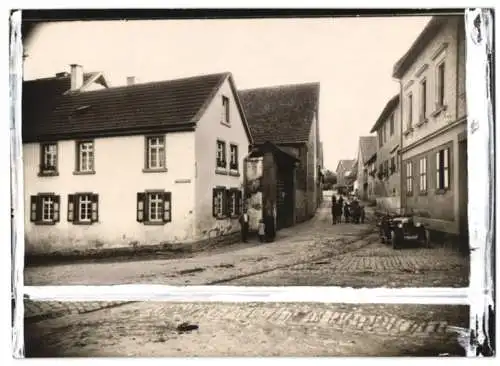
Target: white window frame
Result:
[84, 206]
[86, 156]
[440, 98]
[409, 102]
[219, 209]
[50, 155]
[422, 172]
[226, 110]
[220, 157]
[233, 158]
[443, 169]
[423, 99]
[156, 149]
[409, 177]
[47, 208]
[156, 199]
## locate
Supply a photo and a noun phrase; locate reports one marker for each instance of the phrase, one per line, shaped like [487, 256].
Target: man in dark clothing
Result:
[347, 214]
[340, 208]
[334, 210]
[244, 222]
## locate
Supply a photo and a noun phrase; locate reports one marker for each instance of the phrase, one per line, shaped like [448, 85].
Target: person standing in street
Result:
[244, 222]
[334, 210]
[340, 207]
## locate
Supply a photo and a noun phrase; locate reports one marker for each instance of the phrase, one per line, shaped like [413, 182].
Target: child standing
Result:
[261, 230]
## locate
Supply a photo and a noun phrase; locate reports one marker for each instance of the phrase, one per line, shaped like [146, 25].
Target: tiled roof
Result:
[164, 105]
[281, 114]
[386, 112]
[346, 164]
[368, 147]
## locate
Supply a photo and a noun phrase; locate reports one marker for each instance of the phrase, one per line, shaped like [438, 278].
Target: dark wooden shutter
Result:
[214, 202]
[71, 207]
[167, 207]
[141, 206]
[34, 208]
[95, 207]
[57, 206]
[228, 199]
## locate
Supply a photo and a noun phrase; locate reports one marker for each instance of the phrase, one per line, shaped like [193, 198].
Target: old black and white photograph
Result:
[327, 151]
[166, 329]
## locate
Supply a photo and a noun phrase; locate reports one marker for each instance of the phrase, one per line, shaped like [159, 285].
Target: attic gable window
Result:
[48, 159]
[155, 153]
[225, 110]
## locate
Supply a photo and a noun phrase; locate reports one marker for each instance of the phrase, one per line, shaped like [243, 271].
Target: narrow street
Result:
[314, 253]
[250, 329]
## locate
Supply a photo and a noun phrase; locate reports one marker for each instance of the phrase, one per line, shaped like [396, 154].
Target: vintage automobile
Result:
[399, 230]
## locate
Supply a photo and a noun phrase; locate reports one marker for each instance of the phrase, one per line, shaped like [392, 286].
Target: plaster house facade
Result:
[434, 133]
[287, 116]
[367, 146]
[387, 180]
[147, 164]
[344, 172]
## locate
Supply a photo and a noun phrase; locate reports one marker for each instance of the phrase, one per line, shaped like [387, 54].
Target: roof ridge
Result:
[280, 86]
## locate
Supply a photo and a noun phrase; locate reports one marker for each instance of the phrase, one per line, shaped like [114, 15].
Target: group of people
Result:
[351, 210]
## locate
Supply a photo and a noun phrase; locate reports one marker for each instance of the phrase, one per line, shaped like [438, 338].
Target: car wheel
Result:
[394, 240]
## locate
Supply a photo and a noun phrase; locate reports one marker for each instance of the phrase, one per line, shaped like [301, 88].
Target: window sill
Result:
[84, 223]
[234, 173]
[422, 122]
[409, 194]
[221, 217]
[438, 110]
[148, 170]
[84, 173]
[424, 193]
[45, 223]
[408, 131]
[442, 191]
[154, 223]
[48, 174]
[221, 171]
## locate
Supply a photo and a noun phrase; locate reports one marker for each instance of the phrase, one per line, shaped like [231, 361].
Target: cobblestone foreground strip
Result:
[263, 329]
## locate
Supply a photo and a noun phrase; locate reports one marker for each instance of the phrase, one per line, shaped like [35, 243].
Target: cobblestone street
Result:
[251, 329]
[314, 253]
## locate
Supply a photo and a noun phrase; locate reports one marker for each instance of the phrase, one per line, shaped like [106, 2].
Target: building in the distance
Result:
[387, 182]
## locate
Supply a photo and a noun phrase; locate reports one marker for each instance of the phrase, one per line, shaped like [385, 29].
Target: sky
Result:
[351, 58]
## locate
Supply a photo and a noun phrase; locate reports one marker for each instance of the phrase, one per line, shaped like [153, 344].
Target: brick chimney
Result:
[130, 80]
[76, 77]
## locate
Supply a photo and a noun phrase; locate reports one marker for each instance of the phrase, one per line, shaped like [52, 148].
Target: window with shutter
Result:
[44, 209]
[33, 208]
[71, 207]
[141, 203]
[57, 204]
[219, 202]
[167, 207]
[95, 207]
